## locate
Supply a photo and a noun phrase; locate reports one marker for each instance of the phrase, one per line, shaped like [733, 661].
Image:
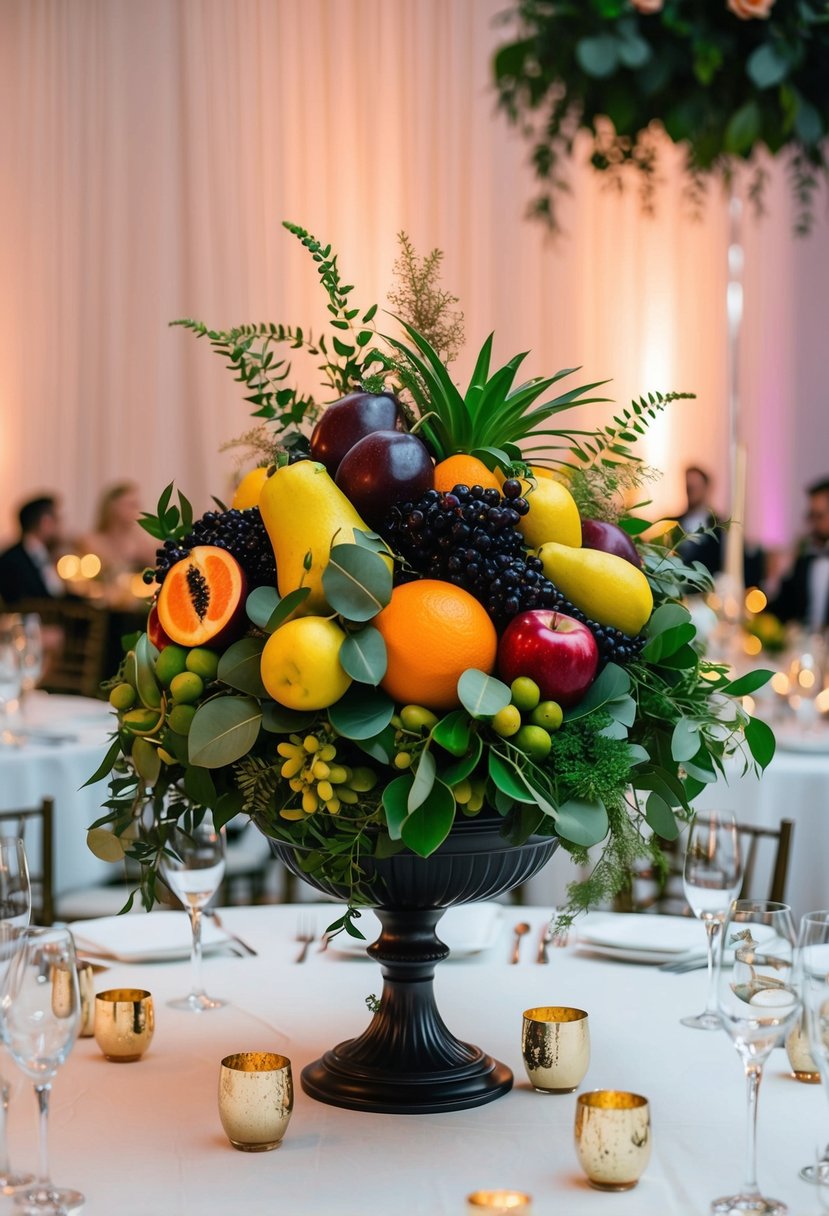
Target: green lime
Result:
[122, 697]
[169, 664]
[180, 718]
[417, 718]
[203, 662]
[525, 693]
[548, 714]
[141, 721]
[506, 722]
[535, 741]
[186, 687]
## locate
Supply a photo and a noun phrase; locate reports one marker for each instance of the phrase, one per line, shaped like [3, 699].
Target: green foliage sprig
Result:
[418, 299]
[720, 86]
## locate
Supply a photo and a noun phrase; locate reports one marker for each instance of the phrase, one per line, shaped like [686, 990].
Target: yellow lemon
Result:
[249, 489]
[606, 588]
[301, 664]
[553, 515]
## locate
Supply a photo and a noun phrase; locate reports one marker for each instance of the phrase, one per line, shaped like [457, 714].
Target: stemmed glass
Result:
[813, 970]
[193, 867]
[29, 639]
[11, 677]
[15, 910]
[40, 1012]
[711, 877]
[758, 1002]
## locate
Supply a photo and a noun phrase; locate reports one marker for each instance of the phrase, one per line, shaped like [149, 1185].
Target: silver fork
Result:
[305, 933]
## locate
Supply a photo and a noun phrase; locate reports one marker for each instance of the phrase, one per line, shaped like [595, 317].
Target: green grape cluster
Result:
[310, 768]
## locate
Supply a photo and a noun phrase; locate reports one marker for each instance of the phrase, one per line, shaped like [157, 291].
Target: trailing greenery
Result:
[719, 81]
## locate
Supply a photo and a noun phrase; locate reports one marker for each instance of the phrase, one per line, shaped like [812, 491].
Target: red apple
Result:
[610, 538]
[555, 650]
[155, 632]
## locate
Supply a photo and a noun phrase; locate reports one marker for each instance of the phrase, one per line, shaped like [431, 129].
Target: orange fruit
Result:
[463, 470]
[433, 632]
[249, 489]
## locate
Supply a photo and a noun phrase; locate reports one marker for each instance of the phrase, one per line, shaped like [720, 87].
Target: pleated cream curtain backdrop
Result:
[148, 152]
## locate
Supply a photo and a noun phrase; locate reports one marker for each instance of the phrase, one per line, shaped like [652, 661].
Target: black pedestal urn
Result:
[408, 1061]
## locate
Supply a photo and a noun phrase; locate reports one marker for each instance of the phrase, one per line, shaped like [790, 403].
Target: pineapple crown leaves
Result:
[493, 415]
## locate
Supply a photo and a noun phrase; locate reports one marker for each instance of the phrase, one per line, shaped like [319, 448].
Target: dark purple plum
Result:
[609, 538]
[384, 468]
[346, 422]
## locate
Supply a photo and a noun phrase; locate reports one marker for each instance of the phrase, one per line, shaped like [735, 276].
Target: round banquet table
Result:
[62, 741]
[145, 1140]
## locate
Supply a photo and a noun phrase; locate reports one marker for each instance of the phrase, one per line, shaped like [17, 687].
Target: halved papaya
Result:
[202, 599]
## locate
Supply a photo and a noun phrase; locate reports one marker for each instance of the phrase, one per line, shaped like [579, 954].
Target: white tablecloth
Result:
[40, 768]
[144, 1139]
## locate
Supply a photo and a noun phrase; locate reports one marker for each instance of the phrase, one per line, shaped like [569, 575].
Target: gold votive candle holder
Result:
[613, 1138]
[256, 1098]
[86, 985]
[800, 1055]
[499, 1203]
[124, 1023]
[555, 1046]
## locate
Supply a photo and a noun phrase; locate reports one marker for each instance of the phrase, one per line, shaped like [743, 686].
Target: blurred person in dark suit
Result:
[804, 592]
[698, 544]
[27, 570]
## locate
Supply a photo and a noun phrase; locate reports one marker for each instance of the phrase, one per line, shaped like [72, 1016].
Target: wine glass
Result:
[813, 971]
[40, 1012]
[15, 910]
[711, 878]
[11, 677]
[29, 639]
[193, 867]
[758, 1002]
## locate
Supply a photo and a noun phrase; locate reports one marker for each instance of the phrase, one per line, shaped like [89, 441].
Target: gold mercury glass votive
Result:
[613, 1138]
[86, 985]
[256, 1097]
[800, 1056]
[500, 1203]
[555, 1045]
[124, 1023]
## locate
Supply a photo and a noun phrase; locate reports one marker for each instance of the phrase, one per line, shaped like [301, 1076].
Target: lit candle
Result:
[500, 1203]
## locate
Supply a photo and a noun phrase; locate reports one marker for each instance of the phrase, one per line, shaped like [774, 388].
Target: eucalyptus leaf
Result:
[454, 732]
[766, 66]
[507, 777]
[147, 685]
[598, 56]
[622, 709]
[464, 766]
[239, 666]
[668, 642]
[396, 803]
[424, 779]
[286, 607]
[582, 822]
[361, 713]
[637, 754]
[147, 761]
[614, 730]
[223, 730]
[357, 582]
[425, 829]
[363, 656]
[105, 844]
[685, 740]
[260, 604]
[380, 746]
[661, 818]
[611, 684]
[667, 616]
[481, 695]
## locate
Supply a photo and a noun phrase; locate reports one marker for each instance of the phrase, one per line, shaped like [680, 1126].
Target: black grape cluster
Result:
[469, 537]
[241, 533]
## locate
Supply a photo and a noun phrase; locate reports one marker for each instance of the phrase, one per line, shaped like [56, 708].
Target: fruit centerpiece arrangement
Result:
[433, 606]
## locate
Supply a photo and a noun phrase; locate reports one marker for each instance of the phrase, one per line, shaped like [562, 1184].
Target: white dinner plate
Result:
[640, 939]
[146, 937]
[467, 929]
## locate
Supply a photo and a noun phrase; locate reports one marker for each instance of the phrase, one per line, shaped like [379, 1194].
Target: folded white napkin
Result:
[148, 937]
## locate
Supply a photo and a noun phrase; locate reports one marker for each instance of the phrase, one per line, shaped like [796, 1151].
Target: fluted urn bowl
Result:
[407, 1061]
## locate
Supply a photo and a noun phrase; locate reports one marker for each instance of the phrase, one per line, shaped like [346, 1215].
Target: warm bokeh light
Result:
[90, 565]
[806, 678]
[69, 566]
[140, 589]
[755, 600]
[780, 683]
[749, 705]
[822, 701]
[752, 645]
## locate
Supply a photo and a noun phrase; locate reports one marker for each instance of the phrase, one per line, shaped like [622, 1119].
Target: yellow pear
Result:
[606, 588]
[553, 515]
[300, 664]
[305, 513]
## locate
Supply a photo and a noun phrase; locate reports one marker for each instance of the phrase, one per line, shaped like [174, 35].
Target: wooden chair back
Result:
[35, 827]
[78, 665]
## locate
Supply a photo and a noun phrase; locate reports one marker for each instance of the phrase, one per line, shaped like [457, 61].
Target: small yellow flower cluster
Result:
[309, 768]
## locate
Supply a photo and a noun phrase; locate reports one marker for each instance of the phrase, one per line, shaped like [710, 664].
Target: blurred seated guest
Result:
[27, 570]
[804, 592]
[119, 540]
[699, 544]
